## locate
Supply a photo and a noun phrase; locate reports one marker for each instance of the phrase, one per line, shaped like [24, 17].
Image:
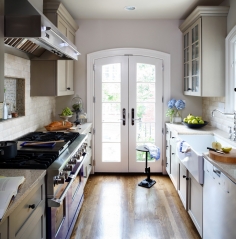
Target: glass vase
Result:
[171, 119]
[177, 117]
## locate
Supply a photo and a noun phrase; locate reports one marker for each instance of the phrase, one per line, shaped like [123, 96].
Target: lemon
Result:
[226, 149]
[216, 145]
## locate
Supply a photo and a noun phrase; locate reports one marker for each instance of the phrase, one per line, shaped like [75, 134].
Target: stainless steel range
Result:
[63, 161]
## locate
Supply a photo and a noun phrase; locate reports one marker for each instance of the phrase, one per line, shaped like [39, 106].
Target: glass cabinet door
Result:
[192, 60]
[186, 61]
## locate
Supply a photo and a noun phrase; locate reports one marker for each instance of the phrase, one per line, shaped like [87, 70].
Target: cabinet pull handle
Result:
[187, 178]
[166, 146]
[189, 89]
[184, 176]
[166, 164]
[68, 88]
[32, 206]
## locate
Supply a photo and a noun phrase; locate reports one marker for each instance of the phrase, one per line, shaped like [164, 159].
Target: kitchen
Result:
[96, 35]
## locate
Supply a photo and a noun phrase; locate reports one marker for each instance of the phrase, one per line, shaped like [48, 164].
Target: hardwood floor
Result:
[115, 207]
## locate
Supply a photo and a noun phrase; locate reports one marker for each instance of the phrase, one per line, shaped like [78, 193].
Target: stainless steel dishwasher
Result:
[219, 204]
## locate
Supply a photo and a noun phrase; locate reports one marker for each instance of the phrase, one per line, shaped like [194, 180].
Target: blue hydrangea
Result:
[180, 105]
[171, 104]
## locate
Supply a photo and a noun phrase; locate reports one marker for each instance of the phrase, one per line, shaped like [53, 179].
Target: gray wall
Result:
[231, 20]
[160, 35]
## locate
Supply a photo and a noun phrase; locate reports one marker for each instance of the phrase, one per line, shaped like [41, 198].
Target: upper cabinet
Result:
[57, 76]
[204, 33]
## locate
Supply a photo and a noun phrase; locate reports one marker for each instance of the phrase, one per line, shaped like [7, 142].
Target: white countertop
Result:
[228, 169]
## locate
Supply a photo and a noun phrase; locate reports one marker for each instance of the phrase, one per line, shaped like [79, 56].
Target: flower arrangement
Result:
[173, 108]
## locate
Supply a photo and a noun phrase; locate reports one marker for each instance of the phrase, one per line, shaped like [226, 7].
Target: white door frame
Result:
[165, 57]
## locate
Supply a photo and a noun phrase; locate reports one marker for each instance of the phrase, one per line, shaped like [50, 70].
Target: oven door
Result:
[57, 220]
[76, 196]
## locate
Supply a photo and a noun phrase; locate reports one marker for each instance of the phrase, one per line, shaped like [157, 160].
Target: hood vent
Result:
[28, 30]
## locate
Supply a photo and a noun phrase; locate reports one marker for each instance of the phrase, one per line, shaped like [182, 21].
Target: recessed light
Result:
[130, 8]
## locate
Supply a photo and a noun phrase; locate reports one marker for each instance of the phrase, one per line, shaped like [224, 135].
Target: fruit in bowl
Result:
[66, 112]
[191, 119]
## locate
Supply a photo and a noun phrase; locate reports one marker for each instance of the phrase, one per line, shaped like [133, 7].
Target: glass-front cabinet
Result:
[192, 58]
[204, 32]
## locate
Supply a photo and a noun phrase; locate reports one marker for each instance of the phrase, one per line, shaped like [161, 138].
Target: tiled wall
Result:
[39, 111]
[220, 121]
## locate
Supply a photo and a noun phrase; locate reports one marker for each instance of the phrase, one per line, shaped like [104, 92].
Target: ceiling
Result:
[145, 9]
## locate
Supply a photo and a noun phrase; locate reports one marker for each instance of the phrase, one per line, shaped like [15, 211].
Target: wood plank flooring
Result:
[115, 207]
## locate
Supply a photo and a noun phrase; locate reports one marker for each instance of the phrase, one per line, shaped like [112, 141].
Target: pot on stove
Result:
[8, 149]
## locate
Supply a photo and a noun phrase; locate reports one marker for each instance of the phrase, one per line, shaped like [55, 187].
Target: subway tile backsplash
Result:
[39, 111]
[219, 121]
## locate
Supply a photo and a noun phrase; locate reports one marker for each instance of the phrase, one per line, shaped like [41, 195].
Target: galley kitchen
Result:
[117, 119]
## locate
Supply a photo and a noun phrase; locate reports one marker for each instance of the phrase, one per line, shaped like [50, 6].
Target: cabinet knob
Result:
[172, 137]
[166, 146]
[184, 176]
[32, 206]
[68, 88]
[166, 164]
[234, 89]
[189, 89]
[173, 153]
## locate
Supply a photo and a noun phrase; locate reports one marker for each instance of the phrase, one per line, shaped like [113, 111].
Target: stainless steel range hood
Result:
[29, 31]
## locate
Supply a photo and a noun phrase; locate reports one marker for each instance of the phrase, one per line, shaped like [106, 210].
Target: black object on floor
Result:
[148, 182]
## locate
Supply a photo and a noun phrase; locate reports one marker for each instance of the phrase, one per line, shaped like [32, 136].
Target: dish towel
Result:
[153, 150]
[183, 149]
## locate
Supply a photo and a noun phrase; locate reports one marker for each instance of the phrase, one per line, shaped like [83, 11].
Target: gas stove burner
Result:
[50, 136]
[28, 160]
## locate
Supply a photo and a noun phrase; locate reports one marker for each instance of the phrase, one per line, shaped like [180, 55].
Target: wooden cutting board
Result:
[224, 158]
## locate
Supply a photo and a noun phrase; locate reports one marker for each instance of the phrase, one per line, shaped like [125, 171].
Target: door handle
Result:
[123, 113]
[132, 115]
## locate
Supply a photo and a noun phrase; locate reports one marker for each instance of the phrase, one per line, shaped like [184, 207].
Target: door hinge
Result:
[94, 99]
[94, 67]
[162, 130]
[162, 99]
[162, 67]
[93, 162]
[93, 131]
[233, 64]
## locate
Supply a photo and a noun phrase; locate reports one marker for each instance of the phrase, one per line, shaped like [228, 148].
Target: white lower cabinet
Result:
[195, 203]
[28, 221]
[182, 186]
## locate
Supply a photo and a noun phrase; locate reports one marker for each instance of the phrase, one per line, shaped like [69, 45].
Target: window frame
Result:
[230, 71]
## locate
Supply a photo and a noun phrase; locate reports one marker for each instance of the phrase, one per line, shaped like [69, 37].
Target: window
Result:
[230, 76]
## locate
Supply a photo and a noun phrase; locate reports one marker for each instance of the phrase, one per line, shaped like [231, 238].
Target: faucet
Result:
[224, 113]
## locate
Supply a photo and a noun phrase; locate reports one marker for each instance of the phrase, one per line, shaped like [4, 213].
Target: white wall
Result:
[39, 111]
[160, 35]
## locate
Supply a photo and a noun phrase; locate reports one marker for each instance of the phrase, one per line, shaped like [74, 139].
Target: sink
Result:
[193, 160]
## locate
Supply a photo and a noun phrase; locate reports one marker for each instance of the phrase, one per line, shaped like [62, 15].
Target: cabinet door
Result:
[65, 69]
[195, 202]
[174, 160]
[192, 60]
[4, 230]
[168, 150]
[182, 187]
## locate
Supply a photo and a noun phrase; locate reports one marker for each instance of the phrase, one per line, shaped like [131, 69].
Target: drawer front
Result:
[23, 211]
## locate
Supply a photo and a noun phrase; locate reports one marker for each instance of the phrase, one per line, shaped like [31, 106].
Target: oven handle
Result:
[56, 202]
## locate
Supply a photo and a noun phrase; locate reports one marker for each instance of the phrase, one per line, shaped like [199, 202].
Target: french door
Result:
[128, 112]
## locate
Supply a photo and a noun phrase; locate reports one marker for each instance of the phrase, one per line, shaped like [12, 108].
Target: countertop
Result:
[32, 177]
[228, 169]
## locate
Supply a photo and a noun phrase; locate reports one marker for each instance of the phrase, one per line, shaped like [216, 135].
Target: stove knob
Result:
[73, 160]
[66, 175]
[68, 168]
[59, 180]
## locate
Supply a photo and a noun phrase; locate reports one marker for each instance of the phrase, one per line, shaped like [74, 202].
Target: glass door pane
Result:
[111, 100]
[186, 61]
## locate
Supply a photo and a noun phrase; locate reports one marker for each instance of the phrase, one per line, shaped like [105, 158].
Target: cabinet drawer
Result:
[22, 212]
